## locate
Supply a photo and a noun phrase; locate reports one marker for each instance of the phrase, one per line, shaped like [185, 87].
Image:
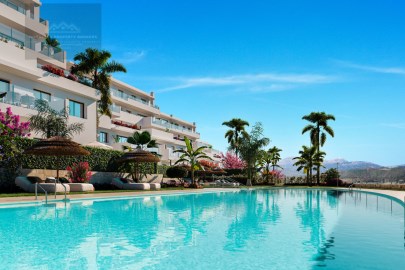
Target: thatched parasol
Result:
[99, 145]
[56, 146]
[138, 156]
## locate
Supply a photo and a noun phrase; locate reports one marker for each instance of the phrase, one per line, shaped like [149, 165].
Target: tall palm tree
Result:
[308, 159]
[236, 133]
[192, 157]
[250, 147]
[275, 156]
[142, 140]
[51, 122]
[94, 64]
[318, 130]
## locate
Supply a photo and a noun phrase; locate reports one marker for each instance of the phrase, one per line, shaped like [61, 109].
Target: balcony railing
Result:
[125, 96]
[30, 42]
[25, 98]
[172, 126]
[14, 6]
[43, 21]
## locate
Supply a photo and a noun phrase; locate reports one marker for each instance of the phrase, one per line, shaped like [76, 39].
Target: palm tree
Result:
[236, 133]
[142, 140]
[53, 42]
[250, 147]
[275, 156]
[51, 122]
[192, 157]
[308, 159]
[265, 161]
[94, 64]
[318, 130]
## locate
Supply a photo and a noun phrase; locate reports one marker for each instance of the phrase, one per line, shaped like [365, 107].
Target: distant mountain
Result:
[341, 164]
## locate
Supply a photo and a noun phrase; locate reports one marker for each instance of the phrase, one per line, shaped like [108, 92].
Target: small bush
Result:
[176, 172]
[79, 172]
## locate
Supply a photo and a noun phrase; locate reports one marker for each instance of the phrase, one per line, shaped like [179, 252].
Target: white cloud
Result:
[265, 82]
[132, 57]
[385, 70]
[394, 125]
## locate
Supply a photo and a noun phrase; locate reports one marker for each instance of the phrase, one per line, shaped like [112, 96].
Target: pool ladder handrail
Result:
[63, 185]
[36, 193]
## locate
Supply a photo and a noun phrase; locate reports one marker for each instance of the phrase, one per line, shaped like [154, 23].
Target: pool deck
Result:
[400, 195]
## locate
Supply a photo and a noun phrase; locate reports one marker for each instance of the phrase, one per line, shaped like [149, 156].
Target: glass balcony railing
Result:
[172, 126]
[43, 21]
[30, 42]
[122, 95]
[24, 97]
[14, 6]
[115, 108]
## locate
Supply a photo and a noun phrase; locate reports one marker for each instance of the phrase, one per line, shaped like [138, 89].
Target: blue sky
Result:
[270, 62]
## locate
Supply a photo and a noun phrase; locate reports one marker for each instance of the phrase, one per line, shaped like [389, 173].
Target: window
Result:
[4, 86]
[42, 95]
[76, 109]
[121, 139]
[102, 137]
[120, 93]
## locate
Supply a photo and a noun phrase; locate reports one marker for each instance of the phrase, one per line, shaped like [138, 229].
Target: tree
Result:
[232, 161]
[275, 156]
[177, 172]
[191, 156]
[52, 41]
[94, 64]
[318, 130]
[250, 147]
[50, 122]
[236, 133]
[142, 140]
[308, 159]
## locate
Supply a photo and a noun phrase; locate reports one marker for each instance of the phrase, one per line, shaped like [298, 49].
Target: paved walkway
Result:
[27, 199]
[393, 193]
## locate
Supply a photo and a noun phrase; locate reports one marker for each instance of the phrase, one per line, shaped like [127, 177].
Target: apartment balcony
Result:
[173, 128]
[45, 52]
[18, 17]
[129, 117]
[25, 98]
[138, 103]
[122, 130]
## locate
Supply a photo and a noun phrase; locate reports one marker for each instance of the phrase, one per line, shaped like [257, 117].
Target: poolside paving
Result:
[400, 195]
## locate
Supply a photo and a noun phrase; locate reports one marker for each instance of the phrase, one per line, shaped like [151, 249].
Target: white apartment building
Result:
[23, 55]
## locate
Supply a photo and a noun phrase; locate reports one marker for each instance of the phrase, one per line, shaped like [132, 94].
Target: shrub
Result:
[176, 172]
[79, 172]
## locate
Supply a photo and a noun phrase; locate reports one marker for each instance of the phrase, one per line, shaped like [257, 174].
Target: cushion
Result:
[34, 179]
[64, 180]
[124, 180]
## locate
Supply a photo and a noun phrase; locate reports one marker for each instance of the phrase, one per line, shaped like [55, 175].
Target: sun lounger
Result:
[122, 183]
[28, 184]
[81, 187]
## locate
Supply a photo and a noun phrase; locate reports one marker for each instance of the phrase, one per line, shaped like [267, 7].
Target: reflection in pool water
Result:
[247, 229]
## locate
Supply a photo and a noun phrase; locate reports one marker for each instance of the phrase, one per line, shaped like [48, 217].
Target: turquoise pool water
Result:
[258, 229]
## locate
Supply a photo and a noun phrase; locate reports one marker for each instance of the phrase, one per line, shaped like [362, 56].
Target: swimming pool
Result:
[246, 229]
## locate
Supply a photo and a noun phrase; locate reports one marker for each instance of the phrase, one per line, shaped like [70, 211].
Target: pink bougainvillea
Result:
[15, 127]
[277, 175]
[79, 172]
[232, 161]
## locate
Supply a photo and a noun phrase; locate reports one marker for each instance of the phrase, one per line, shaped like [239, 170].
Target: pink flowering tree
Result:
[232, 161]
[15, 128]
[10, 129]
[79, 172]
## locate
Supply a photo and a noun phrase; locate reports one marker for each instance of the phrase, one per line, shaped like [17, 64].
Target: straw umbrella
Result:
[57, 146]
[138, 156]
[99, 145]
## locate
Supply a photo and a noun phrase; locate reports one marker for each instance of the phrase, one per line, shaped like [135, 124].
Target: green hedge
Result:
[99, 159]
